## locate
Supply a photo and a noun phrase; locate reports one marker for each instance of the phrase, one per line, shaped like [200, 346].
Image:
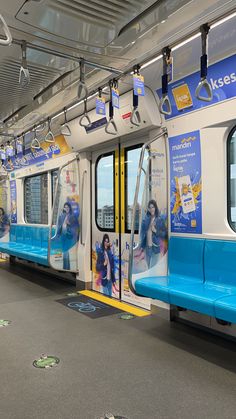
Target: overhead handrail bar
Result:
[82, 200]
[204, 83]
[82, 85]
[65, 129]
[8, 40]
[165, 105]
[111, 127]
[85, 120]
[140, 168]
[24, 76]
[35, 144]
[50, 136]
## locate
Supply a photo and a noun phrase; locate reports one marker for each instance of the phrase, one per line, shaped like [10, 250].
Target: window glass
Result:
[132, 156]
[36, 199]
[105, 192]
[232, 179]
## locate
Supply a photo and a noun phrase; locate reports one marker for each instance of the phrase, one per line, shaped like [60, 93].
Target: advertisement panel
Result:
[222, 78]
[185, 183]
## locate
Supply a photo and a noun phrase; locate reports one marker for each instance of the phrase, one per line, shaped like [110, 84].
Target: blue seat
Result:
[202, 277]
[185, 269]
[27, 242]
[225, 308]
[220, 266]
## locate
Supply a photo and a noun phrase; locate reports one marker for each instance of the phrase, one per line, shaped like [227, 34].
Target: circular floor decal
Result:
[46, 361]
[4, 323]
[126, 316]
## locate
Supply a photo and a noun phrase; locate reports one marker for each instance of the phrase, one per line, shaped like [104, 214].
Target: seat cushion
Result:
[27, 252]
[198, 297]
[225, 308]
[159, 287]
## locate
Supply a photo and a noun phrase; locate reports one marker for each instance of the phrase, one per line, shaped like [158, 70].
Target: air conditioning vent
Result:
[94, 22]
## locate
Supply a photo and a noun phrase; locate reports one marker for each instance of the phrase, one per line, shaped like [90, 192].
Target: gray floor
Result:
[144, 368]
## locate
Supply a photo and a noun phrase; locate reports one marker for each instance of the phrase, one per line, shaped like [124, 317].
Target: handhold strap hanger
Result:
[24, 77]
[65, 129]
[135, 118]
[85, 121]
[204, 84]
[35, 144]
[50, 136]
[8, 40]
[82, 88]
[111, 127]
[165, 105]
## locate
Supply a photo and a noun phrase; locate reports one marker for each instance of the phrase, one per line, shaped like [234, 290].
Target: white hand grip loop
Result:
[35, 144]
[204, 84]
[111, 127]
[85, 121]
[6, 31]
[65, 130]
[50, 138]
[165, 105]
[135, 118]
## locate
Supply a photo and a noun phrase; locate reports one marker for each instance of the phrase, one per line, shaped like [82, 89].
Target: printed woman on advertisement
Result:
[68, 232]
[4, 223]
[105, 265]
[153, 229]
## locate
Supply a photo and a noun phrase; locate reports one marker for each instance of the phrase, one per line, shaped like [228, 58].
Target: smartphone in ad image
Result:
[186, 194]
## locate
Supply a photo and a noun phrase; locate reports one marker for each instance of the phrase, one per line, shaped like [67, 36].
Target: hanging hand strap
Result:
[165, 105]
[65, 129]
[24, 77]
[85, 121]
[204, 84]
[111, 127]
[7, 33]
[135, 118]
[35, 144]
[82, 86]
[49, 137]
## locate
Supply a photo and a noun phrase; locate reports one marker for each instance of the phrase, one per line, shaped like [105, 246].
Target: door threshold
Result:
[138, 312]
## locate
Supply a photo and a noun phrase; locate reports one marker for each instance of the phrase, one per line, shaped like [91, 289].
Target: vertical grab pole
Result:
[131, 248]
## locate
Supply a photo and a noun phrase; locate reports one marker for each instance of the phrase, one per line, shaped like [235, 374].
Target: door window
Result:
[105, 192]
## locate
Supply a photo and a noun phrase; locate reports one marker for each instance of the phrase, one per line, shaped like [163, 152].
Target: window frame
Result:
[228, 143]
[126, 150]
[110, 153]
[24, 183]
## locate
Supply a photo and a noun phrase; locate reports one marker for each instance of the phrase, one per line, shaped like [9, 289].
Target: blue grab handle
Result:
[203, 66]
[164, 84]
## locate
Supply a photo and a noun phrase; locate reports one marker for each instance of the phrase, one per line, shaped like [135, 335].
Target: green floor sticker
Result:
[46, 361]
[126, 316]
[4, 323]
[72, 294]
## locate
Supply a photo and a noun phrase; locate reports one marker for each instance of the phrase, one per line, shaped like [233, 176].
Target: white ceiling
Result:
[91, 29]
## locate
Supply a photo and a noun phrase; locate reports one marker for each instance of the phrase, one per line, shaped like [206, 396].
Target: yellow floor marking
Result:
[139, 312]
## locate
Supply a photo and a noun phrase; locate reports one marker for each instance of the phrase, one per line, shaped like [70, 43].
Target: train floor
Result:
[144, 368]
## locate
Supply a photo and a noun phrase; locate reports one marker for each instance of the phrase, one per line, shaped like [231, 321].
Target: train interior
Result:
[117, 191]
